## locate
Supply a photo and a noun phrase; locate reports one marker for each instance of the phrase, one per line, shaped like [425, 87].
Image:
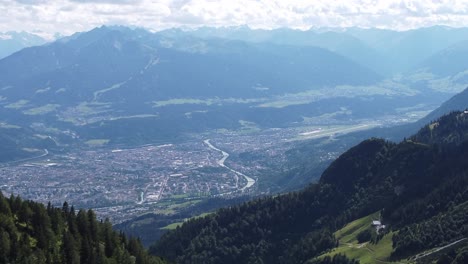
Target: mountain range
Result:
[11, 42]
[379, 201]
[108, 64]
[100, 83]
[95, 85]
[386, 51]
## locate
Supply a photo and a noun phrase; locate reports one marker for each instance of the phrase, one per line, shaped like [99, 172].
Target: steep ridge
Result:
[405, 181]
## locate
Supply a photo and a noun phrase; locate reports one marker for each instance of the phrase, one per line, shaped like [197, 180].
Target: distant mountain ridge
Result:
[107, 56]
[343, 44]
[449, 61]
[96, 83]
[11, 42]
[107, 82]
[408, 49]
[387, 51]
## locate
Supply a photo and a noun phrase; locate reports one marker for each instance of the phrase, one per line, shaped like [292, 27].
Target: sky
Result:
[47, 17]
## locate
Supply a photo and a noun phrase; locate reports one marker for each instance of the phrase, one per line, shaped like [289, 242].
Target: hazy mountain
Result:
[385, 51]
[419, 189]
[11, 42]
[340, 43]
[459, 102]
[451, 61]
[125, 60]
[98, 83]
[109, 82]
[79, 66]
[406, 50]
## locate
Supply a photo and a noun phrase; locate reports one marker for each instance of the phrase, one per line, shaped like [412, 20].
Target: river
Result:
[250, 181]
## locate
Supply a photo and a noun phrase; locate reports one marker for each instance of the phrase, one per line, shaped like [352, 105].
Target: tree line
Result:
[33, 233]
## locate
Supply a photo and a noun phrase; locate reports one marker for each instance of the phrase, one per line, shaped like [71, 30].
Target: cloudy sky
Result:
[69, 16]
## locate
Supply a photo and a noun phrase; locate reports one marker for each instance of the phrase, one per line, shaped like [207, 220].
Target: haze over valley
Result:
[252, 96]
[107, 114]
[275, 144]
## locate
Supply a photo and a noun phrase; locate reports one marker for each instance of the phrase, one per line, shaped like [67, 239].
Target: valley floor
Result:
[122, 183]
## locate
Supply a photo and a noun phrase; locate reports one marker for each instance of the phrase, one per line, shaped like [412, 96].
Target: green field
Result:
[182, 101]
[84, 112]
[17, 105]
[386, 88]
[172, 226]
[97, 142]
[248, 127]
[97, 94]
[41, 110]
[8, 126]
[175, 203]
[175, 225]
[180, 196]
[132, 117]
[365, 252]
[206, 101]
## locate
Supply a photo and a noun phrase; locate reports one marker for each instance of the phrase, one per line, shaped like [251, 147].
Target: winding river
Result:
[250, 181]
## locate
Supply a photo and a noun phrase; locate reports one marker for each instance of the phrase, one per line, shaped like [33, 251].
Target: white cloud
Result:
[68, 16]
[114, 2]
[5, 36]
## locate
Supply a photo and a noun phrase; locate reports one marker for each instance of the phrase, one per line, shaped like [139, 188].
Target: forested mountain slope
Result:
[415, 184]
[33, 233]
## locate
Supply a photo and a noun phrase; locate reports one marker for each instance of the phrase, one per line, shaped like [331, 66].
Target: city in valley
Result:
[122, 183]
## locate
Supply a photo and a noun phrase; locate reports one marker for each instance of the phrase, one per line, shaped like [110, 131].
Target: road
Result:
[250, 181]
[427, 253]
